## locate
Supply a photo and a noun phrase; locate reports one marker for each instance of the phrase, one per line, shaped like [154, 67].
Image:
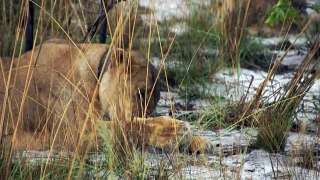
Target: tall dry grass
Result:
[68, 20]
[232, 29]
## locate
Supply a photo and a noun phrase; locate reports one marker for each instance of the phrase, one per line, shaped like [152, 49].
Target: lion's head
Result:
[128, 85]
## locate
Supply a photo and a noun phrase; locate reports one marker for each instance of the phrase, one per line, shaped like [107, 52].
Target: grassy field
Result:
[218, 35]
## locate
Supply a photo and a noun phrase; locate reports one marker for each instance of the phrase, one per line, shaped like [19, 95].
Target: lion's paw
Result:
[199, 145]
[171, 135]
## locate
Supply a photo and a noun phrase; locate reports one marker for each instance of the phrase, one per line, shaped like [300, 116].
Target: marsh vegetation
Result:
[245, 75]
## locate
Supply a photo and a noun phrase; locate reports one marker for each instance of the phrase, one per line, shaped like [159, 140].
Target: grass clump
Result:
[55, 168]
[193, 54]
[273, 129]
[275, 123]
[207, 46]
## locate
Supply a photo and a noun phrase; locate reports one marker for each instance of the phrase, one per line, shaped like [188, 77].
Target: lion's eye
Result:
[141, 93]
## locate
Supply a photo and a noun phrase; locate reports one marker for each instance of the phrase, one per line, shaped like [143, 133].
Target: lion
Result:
[68, 96]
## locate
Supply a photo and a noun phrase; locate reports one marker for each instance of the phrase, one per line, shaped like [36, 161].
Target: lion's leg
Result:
[170, 134]
[66, 140]
[161, 132]
[164, 133]
[24, 140]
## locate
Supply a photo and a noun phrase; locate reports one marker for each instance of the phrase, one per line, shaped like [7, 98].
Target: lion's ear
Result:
[112, 59]
[117, 57]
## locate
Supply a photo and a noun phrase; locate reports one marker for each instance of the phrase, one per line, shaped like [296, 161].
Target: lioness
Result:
[57, 95]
